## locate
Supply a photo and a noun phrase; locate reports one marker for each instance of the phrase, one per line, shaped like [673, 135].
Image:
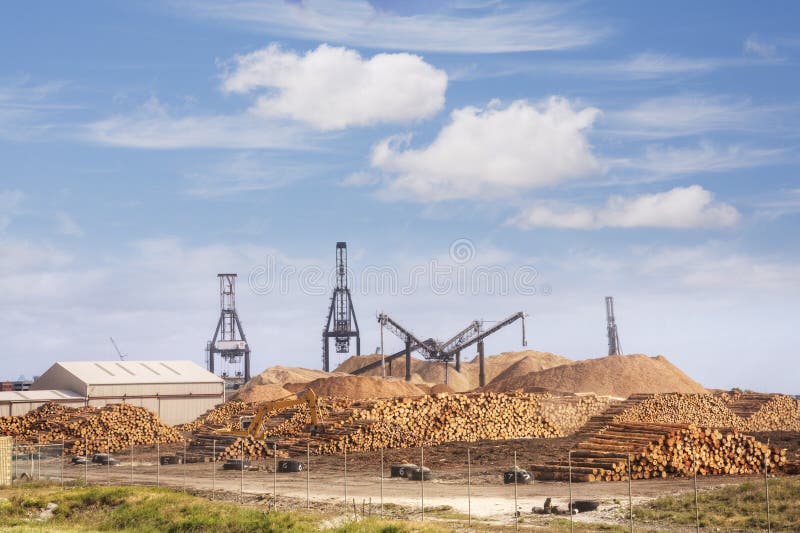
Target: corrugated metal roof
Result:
[134, 372]
[38, 396]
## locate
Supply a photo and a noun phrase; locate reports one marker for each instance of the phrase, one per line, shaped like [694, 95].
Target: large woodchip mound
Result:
[359, 387]
[615, 375]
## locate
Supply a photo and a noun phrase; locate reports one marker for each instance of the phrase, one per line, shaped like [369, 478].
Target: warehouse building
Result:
[177, 391]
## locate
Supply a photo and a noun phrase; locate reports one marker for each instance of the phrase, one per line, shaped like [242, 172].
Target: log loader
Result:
[253, 425]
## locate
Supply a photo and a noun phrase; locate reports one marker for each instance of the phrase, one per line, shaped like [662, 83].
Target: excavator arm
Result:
[253, 427]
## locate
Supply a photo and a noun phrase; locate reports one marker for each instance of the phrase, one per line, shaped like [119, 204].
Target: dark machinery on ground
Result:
[447, 351]
[253, 426]
[614, 347]
[229, 341]
[341, 324]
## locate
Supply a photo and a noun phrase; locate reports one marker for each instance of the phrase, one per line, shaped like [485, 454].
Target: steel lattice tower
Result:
[229, 341]
[341, 323]
[614, 347]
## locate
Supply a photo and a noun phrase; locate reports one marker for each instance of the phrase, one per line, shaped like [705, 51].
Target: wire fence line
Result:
[366, 486]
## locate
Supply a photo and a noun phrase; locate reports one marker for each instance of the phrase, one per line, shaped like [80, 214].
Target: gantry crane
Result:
[614, 346]
[341, 323]
[446, 351]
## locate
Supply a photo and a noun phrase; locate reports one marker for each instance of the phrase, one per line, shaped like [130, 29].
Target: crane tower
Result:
[341, 323]
[614, 347]
[229, 341]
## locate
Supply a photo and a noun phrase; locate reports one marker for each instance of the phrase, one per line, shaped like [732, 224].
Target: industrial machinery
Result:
[614, 347]
[341, 323]
[121, 355]
[446, 351]
[229, 341]
[253, 426]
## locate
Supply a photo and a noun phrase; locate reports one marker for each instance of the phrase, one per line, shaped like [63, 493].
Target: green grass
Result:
[734, 507]
[150, 509]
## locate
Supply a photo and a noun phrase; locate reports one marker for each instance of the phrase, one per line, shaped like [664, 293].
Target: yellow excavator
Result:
[252, 426]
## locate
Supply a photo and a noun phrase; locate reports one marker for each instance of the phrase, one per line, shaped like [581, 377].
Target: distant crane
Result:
[122, 356]
[614, 346]
[341, 323]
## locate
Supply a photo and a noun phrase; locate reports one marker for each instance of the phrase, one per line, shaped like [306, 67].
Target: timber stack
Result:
[662, 450]
[89, 429]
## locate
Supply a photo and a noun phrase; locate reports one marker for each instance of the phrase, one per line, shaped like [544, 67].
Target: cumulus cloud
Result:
[332, 88]
[493, 151]
[680, 208]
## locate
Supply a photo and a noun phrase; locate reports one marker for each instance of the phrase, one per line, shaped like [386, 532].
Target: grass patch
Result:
[733, 507]
[374, 525]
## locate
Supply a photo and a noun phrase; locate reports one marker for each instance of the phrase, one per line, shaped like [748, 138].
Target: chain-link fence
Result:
[459, 481]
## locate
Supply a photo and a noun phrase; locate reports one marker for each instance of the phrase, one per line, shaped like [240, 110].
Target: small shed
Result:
[18, 403]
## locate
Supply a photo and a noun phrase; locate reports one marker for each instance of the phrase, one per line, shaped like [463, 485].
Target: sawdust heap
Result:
[359, 387]
[282, 375]
[441, 388]
[530, 361]
[261, 393]
[432, 372]
[615, 375]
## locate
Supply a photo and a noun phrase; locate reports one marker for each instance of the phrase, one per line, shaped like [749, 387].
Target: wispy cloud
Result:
[27, 108]
[704, 157]
[756, 46]
[643, 66]
[679, 208]
[66, 225]
[693, 114]
[241, 173]
[9, 206]
[484, 28]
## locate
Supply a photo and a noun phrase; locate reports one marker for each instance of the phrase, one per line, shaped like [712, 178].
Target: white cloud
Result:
[643, 66]
[332, 88]
[756, 46]
[153, 126]
[66, 225]
[691, 114]
[680, 208]
[493, 151]
[494, 28]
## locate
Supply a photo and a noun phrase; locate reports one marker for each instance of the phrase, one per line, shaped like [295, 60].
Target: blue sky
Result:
[643, 150]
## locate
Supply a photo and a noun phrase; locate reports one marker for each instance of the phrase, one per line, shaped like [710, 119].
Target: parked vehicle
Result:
[237, 464]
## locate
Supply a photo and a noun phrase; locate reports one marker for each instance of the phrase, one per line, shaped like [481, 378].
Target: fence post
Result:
[108, 459]
[766, 486]
[308, 474]
[382, 477]
[241, 470]
[516, 507]
[213, 468]
[86, 462]
[696, 506]
[571, 520]
[630, 492]
[469, 489]
[422, 480]
[158, 463]
[131, 463]
[184, 466]
[345, 478]
[62, 464]
[274, 476]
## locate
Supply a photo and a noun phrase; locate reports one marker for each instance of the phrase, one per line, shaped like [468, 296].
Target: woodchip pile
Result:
[662, 450]
[108, 428]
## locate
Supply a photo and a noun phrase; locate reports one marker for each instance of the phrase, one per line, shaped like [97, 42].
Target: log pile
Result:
[662, 450]
[706, 410]
[109, 428]
[429, 420]
[571, 412]
[780, 413]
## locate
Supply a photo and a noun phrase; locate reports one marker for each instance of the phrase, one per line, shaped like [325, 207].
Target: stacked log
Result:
[662, 450]
[780, 413]
[109, 428]
[699, 409]
[438, 419]
[569, 413]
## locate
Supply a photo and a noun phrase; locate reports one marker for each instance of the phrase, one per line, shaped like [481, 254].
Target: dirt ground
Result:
[461, 488]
